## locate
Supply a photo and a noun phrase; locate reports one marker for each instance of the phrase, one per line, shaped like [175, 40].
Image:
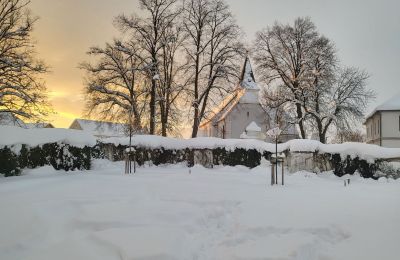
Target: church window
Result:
[248, 114]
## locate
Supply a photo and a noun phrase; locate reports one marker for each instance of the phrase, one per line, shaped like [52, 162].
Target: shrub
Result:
[8, 163]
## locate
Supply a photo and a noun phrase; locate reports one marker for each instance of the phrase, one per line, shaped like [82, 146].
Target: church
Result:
[240, 114]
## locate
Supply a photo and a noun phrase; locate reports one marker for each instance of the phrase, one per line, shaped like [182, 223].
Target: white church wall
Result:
[242, 115]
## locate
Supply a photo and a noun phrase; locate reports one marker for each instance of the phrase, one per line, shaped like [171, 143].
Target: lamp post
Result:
[275, 133]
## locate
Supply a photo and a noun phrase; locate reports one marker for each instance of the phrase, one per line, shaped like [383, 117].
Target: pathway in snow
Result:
[167, 213]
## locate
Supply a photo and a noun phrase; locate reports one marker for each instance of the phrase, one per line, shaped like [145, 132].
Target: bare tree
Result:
[281, 53]
[212, 51]
[302, 72]
[22, 91]
[343, 104]
[160, 14]
[349, 136]
[171, 85]
[115, 87]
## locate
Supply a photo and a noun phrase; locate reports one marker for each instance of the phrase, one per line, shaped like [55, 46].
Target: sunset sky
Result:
[367, 34]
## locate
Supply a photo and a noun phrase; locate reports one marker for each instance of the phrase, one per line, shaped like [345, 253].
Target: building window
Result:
[399, 123]
[248, 114]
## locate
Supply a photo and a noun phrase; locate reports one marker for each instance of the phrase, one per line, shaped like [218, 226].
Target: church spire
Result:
[247, 79]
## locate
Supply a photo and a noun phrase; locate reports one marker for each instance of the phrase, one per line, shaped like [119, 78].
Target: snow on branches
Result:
[22, 91]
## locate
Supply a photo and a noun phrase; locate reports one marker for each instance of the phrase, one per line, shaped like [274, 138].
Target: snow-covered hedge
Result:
[362, 151]
[73, 149]
[170, 155]
[62, 148]
[59, 155]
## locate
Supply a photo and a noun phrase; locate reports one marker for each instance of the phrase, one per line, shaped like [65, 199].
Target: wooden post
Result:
[272, 173]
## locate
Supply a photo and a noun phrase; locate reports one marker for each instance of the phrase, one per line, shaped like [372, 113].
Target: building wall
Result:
[241, 116]
[373, 127]
[383, 128]
[391, 129]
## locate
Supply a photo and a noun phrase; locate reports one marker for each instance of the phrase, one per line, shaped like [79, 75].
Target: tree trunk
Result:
[152, 107]
[301, 123]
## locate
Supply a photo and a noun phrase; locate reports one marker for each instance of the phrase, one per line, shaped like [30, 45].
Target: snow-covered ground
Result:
[169, 213]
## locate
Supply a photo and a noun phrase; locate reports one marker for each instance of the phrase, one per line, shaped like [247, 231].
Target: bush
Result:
[388, 170]
[60, 156]
[8, 163]
[351, 165]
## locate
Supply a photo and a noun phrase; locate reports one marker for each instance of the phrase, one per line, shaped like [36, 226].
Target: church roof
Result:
[246, 93]
[247, 79]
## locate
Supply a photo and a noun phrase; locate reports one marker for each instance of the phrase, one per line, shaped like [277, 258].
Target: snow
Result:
[253, 127]
[12, 135]
[223, 213]
[101, 129]
[363, 151]
[392, 104]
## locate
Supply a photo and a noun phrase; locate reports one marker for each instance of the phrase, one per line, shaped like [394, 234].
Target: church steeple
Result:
[247, 79]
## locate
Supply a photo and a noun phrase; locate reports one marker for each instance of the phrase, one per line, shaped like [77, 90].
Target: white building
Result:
[10, 120]
[383, 124]
[240, 110]
[100, 128]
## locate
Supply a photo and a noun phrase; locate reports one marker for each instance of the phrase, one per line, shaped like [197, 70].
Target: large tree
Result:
[22, 90]
[115, 87]
[281, 53]
[212, 49]
[171, 80]
[341, 104]
[150, 30]
[303, 74]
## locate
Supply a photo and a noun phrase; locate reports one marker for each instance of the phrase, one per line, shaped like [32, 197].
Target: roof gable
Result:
[101, 128]
[389, 105]
[247, 79]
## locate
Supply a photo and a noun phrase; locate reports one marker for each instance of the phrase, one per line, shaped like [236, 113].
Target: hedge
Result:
[60, 156]
[66, 157]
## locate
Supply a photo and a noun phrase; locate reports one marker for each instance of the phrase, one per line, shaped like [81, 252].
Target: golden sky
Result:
[366, 33]
[64, 32]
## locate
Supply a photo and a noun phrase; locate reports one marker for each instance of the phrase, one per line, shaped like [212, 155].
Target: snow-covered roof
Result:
[9, 119]
[253, 127]
[101, 128]
[246, 93]
[225, 107]
[38, 125]
[391, 104]
[247, 79]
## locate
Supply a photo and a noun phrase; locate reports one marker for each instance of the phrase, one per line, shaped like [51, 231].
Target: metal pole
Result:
[130, 140]
[282, 175]
[134, 162]
[276, 150]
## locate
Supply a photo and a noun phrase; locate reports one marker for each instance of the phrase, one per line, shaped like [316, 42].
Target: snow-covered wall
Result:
[11, 136]
[361, 150]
